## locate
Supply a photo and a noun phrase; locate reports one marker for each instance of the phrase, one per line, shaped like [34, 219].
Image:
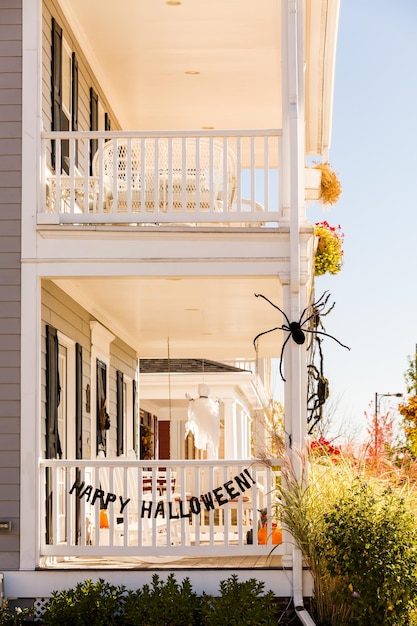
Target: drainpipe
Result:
[297, 574]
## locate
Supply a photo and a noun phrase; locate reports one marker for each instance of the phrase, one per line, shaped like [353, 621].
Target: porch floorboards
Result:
[165, 563]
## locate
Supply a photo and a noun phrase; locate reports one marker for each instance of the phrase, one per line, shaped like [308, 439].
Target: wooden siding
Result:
[124, 359]
[10, 246]
[68, 317]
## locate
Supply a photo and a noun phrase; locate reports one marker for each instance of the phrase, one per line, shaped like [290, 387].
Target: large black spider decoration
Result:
[297, 330]
[318, 391]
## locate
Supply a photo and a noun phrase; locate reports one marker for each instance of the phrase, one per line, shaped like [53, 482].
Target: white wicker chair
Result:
[158, 175]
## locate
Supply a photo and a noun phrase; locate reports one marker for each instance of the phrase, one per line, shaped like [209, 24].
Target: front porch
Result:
[209, 508]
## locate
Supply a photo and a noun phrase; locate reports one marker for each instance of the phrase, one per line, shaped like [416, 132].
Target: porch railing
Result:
[124, 507]
[211, 177]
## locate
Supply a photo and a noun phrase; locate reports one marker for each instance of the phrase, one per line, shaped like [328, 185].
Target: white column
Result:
[246, 432]
[239, 431]
[230, 429]
[30, 449]
[292, 166]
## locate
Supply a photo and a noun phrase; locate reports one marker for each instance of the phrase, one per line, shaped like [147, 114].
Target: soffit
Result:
[141, 49]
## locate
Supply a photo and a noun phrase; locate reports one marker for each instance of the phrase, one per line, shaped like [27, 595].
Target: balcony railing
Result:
[228, 178]
[124, 507]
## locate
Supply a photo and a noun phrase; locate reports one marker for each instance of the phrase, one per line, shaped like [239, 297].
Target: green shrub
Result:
[88, 604]
[13, 617]
[239, 604]
[370, 546]
[162, 604]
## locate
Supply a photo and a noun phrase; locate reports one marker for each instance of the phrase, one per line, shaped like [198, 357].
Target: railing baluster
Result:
[266, 174]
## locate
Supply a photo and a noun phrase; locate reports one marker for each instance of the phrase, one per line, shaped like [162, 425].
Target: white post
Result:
[230, 429]
[295, 296]
[292, 166]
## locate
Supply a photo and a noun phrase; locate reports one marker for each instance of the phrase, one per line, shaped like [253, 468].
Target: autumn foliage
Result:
[409, 412]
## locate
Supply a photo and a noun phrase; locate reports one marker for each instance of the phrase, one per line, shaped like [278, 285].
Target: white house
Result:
[152, 166]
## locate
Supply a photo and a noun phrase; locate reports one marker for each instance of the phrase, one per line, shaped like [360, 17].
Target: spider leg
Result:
[259, 295]
[328, 310]
[318, 332]
[315, 371]
[316, 307]
[280, 358]
[322, 301]
[265, 333]
[316, 419]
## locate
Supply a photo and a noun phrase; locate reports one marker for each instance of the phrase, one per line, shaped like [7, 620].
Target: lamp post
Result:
[378, 397]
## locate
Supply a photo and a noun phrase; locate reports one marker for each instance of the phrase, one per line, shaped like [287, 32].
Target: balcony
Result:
[188, 178]
[126, 508]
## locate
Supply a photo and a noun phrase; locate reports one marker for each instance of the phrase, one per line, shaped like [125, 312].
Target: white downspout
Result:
[297, 569]
[293, 190]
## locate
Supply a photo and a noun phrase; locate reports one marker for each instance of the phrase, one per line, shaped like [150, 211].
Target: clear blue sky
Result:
[373, 151]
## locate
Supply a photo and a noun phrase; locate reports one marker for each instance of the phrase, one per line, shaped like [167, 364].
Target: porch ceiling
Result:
[141, 51]
[214, 318]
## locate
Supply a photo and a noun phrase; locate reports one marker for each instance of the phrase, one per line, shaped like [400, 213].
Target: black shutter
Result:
[56, 78]
[53, 392]
[101, 402]
[78, 401]
[74, 101]
[107, 122]
[120, 426]
[93, 122]
[53, 445]
[135, 418]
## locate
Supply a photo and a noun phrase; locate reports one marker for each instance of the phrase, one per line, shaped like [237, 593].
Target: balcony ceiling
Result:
[215, 318]
[141, 51]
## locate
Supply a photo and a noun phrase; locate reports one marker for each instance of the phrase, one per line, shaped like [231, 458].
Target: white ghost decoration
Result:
[204, 422]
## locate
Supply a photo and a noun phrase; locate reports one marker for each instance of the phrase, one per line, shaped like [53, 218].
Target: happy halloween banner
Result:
[230, 490]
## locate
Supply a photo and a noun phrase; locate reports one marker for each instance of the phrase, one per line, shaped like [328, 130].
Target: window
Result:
[93, 123]
[99, 120]
[101, 339]
[125, 409]
[64, 78]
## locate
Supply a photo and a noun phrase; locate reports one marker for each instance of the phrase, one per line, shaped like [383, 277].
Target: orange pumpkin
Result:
[104, 520]
[263, 535]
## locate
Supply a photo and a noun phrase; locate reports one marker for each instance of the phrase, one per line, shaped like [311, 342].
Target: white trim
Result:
[30, 446]
[101, 339]
[41, 584]
[69, 344]
[67, 51]
[127, 414]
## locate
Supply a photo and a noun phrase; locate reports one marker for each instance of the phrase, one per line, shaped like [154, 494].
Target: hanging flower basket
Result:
[330, 186]
[322, 184]
[329, 253]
